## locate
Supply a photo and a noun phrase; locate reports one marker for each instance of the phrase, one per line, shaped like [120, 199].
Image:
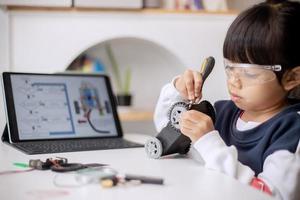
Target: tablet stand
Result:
[4, 137]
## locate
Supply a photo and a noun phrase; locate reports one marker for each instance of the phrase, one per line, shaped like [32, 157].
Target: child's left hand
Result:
[195, 124]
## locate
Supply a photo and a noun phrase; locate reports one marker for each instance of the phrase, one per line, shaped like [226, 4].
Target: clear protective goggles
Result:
[250, 74]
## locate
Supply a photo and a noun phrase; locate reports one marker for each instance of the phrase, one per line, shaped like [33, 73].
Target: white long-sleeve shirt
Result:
[281, 169]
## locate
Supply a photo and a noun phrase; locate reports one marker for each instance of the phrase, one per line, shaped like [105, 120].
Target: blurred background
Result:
[142, 45]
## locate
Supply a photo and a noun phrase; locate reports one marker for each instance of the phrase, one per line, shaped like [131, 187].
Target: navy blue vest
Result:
[280, 132]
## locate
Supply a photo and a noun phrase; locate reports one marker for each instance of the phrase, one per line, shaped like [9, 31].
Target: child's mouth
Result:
[235, 97]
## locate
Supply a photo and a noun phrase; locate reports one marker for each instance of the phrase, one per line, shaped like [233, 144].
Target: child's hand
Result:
[189, 85]
[195, 124]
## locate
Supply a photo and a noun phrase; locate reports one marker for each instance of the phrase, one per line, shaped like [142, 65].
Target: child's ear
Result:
[291, 79]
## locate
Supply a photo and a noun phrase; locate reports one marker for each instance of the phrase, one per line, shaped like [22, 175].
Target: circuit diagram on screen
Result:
[91, 109]
[45, 108]
[61, 107]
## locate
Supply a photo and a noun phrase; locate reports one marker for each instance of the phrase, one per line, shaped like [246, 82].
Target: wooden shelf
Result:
[164, 11]
[133, 115]
[144, 11]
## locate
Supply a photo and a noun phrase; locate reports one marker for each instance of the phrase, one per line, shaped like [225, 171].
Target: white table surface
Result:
[184, 177]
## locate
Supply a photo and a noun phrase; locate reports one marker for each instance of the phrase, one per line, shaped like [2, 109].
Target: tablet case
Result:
[55, 146]
[122, 143]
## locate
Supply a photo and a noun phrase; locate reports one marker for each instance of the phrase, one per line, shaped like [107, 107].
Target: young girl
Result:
[255, 138]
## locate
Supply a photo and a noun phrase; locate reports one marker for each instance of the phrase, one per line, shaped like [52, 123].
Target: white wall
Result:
[48, 41]
[4, 56]
[242, 5]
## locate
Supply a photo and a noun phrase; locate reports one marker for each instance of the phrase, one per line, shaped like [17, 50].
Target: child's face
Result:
[253, 88]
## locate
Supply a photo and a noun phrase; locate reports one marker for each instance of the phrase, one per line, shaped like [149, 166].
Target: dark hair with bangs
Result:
[267, 34]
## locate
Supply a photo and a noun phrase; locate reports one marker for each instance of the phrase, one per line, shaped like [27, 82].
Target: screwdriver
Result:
[206, 68]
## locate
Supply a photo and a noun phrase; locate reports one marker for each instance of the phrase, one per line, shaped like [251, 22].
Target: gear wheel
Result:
[175, 111]
[153, 148]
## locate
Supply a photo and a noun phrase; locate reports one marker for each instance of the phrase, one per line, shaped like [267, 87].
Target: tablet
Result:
[59, 106]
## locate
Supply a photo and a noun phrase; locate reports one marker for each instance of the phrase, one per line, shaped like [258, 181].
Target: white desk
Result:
[185, 179]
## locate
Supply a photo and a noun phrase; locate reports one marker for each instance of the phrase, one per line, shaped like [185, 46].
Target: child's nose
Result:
[235, 82]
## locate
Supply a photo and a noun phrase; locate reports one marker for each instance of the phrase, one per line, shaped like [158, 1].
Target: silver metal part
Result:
[191, 102]
[175, 112]
[153, 148]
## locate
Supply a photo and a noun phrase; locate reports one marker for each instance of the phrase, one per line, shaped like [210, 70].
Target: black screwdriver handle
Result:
[207, 67]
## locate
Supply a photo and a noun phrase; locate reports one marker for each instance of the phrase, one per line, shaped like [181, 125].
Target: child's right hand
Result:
[189, 85]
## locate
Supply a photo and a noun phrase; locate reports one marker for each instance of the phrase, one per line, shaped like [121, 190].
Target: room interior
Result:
[156, 43]
[141, 45]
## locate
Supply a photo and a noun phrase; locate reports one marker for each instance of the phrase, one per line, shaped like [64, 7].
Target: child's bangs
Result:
[252, 38]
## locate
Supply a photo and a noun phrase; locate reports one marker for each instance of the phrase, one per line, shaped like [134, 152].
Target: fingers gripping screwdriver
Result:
[206, 68]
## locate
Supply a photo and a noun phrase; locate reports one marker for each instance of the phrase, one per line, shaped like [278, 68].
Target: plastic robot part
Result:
[153, 148]
[170, 140]
[175, 112]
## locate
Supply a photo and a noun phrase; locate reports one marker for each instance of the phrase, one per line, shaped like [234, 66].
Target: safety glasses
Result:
[250, 74]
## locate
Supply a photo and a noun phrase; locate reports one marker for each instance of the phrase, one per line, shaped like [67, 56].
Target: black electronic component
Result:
[67, 167]
[40, 165]
[144, 179]
[77, 108]
[91, 124]
[60, 165]
[107, 106]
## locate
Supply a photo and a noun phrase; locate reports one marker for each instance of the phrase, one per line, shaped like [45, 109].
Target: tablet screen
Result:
[62, 106]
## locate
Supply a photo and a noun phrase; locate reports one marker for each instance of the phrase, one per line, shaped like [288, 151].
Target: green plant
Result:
[123, 85]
